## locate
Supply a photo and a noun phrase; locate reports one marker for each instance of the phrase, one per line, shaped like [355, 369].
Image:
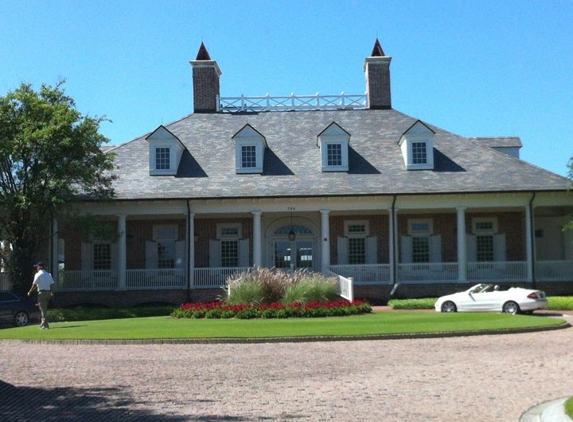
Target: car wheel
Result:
[21, 319]
[510, 307]
[449, 306]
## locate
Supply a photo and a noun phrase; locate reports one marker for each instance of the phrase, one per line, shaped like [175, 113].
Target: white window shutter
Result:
[499, 247]
[214, 253]
[180, 247]
[435, 248]
[406, 249]
[471, 246]
[87, 256]
[243, 252]
[372, 250]
[342, 246]
[151, 255]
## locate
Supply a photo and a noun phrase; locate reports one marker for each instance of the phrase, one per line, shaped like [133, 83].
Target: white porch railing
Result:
[444, 272]
[554, 271]
[292, 102]
[87, 280]
[156, 279]
[497, 271]
[215, 277]
[5, 283]
[345, 285]
[364, 274]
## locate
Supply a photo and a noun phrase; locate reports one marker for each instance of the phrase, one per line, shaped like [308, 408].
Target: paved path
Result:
[482, 378]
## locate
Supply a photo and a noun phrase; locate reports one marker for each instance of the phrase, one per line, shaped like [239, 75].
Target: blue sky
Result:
[475, 68]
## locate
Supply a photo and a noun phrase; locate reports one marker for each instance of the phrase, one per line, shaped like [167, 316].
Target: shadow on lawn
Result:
[25, 404]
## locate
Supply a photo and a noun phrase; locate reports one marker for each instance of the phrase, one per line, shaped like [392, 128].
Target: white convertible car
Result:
[490, 298]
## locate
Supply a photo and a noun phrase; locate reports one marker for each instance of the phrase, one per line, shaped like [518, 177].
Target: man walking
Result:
[44, 284]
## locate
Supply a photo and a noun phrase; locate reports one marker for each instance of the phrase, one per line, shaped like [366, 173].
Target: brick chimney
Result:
[206, 74]
[377, 70]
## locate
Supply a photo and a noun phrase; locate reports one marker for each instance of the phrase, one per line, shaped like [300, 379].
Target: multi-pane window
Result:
[420, 230]
[334, 154]
[485, 229]
[356, 231]
[249, 156]
[484, 245]
[420, 249]
[419, 153]
[162, 158]
[229, 236]
[102, 256]
[165, 236]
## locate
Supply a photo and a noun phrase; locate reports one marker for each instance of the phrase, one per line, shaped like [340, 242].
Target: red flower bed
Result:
[272, 310]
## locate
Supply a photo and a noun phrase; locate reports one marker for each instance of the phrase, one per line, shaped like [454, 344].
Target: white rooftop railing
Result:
[292, 102]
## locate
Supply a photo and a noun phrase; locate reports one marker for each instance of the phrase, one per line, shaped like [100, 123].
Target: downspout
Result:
[394, 254]
[532, 234]
[187, 276]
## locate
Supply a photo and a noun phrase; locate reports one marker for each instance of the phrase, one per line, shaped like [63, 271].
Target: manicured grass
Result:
[569, 407]
[377, 323]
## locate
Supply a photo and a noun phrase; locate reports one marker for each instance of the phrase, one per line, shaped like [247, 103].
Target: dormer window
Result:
[165, 151]
[417, 145]
[333, 143]
[249, 150]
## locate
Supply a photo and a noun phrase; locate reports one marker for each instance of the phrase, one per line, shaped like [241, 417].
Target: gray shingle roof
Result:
[292, 163]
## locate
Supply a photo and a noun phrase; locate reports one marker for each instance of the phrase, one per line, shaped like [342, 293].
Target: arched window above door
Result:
[297, 228]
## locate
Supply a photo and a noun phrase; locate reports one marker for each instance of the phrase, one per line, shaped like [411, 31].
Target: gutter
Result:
[187, 276]
[395, 284]
[532, 234]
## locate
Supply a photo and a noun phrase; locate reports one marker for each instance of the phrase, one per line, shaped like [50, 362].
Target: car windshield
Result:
[482, 288]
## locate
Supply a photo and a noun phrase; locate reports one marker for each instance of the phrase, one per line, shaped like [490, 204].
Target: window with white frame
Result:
[248, 156]
[229, 236]
[485, 230]
[356, 232]
[249, 150]
[165, 238]
[101, 256]
[334, 143]
[162, 158]
[420, 230]
[419, 153]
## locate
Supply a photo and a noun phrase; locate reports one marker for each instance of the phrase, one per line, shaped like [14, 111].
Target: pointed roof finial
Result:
[377, 50]
[203, 54]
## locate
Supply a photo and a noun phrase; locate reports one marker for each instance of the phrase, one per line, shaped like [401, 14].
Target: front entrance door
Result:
[293, 254]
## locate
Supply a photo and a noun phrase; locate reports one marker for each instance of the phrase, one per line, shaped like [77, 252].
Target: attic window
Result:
[417, 145]
[249, 150]
[165, 151]
[333, 143]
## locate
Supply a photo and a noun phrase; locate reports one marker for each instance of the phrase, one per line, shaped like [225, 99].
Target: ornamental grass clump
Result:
[270, 285]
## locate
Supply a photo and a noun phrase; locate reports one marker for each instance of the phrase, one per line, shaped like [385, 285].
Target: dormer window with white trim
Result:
[165, 151]
[417, 145]
[249, 150]
[333, 143]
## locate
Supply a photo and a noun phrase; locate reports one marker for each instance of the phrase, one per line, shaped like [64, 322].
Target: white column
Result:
[392, 243]
[257, 239]
[122, 252]
[325, 234]
[462, 249]
[528, 243]
[191, 243]
[54, 267]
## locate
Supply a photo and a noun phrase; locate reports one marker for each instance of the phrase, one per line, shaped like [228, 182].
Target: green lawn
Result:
[377, 323]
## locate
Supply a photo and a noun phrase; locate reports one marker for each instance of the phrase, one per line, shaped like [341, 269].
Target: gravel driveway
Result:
[480, 378]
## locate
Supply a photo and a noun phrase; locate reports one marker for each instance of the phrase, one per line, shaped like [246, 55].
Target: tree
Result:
[50, 157]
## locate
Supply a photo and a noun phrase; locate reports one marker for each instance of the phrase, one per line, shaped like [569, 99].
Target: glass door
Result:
[293, 255]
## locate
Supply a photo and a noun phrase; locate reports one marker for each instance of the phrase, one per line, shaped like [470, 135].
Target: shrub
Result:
[425, 303]
[311, 290]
